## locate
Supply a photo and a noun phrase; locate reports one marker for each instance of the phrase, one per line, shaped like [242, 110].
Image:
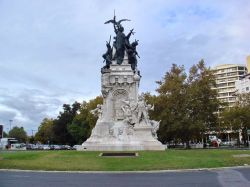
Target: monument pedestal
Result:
[119, 128]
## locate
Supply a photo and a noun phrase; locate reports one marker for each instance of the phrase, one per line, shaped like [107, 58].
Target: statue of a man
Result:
[108, 55]
[127, 114]
[142, 109]
[98, 111]
[132, 53]
[119, 44]
[120, 39]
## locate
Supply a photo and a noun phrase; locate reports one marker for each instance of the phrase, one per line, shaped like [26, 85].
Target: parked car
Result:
[5, 143]
[18, 146]
[29, 146]
[46, 147]
[57, 147]
[75, 147]
[67, 147]
[34, 147]
[40, 147]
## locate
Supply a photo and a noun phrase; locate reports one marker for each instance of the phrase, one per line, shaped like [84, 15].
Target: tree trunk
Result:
[188, 145]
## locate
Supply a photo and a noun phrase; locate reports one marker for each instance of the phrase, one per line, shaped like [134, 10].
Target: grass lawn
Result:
[147, 160]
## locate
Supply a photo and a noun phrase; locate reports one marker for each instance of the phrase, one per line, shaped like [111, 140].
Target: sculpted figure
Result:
[98, 111]
[132, 53]
[127, 114]
[120, 38]
[108, 55]
[142, 109]
[155, 127]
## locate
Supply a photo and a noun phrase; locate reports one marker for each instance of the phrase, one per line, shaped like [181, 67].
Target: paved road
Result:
[209, 178]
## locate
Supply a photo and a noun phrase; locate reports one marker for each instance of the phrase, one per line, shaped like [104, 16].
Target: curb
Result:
[124, 172]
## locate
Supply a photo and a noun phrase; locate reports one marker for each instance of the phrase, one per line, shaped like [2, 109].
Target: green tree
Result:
[31, 139]
[186, 104]
[5, 134]
[73, 125]
[18, 133]
[84, 121]
[65, 118]
[45, 132]
[237, 118]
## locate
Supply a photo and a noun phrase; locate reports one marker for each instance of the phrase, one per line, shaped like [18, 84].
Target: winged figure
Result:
[116, 22]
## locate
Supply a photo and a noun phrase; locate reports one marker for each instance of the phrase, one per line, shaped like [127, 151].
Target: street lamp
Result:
[32, 132]
[10, 123]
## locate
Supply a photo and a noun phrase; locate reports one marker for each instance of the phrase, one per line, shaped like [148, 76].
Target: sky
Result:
[51, 50]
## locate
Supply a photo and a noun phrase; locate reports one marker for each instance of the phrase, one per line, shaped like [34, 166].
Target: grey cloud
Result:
[50, 51]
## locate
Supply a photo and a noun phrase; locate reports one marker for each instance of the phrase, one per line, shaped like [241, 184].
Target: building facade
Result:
[226, 76]
[243, 85]
[248, 63]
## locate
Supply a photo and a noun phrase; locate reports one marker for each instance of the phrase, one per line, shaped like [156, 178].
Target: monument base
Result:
[121, 138]
[121, 146]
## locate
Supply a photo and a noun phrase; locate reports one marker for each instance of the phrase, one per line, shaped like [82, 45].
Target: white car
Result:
[46, 147]
[57, 147]
[75, 147]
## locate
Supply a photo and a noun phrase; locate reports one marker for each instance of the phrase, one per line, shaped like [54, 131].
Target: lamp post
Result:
[32, 132]
[248, 134]
[10, 124]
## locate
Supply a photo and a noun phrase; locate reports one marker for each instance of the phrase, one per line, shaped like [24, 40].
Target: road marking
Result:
[232, 178]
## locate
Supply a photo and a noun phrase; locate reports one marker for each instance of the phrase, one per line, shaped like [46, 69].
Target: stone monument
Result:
[123, 123]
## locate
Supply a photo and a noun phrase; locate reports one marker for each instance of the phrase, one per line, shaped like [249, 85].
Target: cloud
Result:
[50, 51]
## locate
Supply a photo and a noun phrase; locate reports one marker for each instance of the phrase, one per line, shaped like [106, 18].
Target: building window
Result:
[232, 99]
[222, 85]
[223, 95]
[231, 74]
[247, 88]
[231, 93]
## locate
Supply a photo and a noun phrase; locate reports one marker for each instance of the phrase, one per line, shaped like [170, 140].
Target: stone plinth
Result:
[123, 123]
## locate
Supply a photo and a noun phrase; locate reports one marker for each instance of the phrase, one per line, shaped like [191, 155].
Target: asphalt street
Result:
[239, 177]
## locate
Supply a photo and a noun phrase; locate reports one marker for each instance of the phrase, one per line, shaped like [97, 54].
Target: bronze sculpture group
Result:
[121, 45]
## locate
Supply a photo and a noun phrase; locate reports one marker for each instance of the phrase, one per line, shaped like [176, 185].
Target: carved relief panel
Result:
[119, 96]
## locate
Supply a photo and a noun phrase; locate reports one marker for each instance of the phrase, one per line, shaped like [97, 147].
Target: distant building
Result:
[1, 131]
[243, 85]
[248, 63]
[226, 75]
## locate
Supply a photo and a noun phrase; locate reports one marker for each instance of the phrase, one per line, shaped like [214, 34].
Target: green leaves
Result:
[18, 133]
[237, 118]
[186, 104]
[73, 125]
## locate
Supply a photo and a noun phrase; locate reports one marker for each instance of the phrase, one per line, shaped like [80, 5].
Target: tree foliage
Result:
[5, 134]
[73, 125]
[186, 103]
[237, 118]
[19, 133]
[64, 119]
[84, 121]
[45, 131]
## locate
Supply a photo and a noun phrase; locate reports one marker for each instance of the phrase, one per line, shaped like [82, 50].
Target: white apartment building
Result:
[226, 75]
[243, 85]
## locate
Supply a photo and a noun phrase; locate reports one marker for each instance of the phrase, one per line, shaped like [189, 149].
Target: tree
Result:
[31, 139]
[237, 118]
[5, 134]
[186, 104]
[72, 125]
[65, 118]
[45, 132]
[84, 121]
[18, 133]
